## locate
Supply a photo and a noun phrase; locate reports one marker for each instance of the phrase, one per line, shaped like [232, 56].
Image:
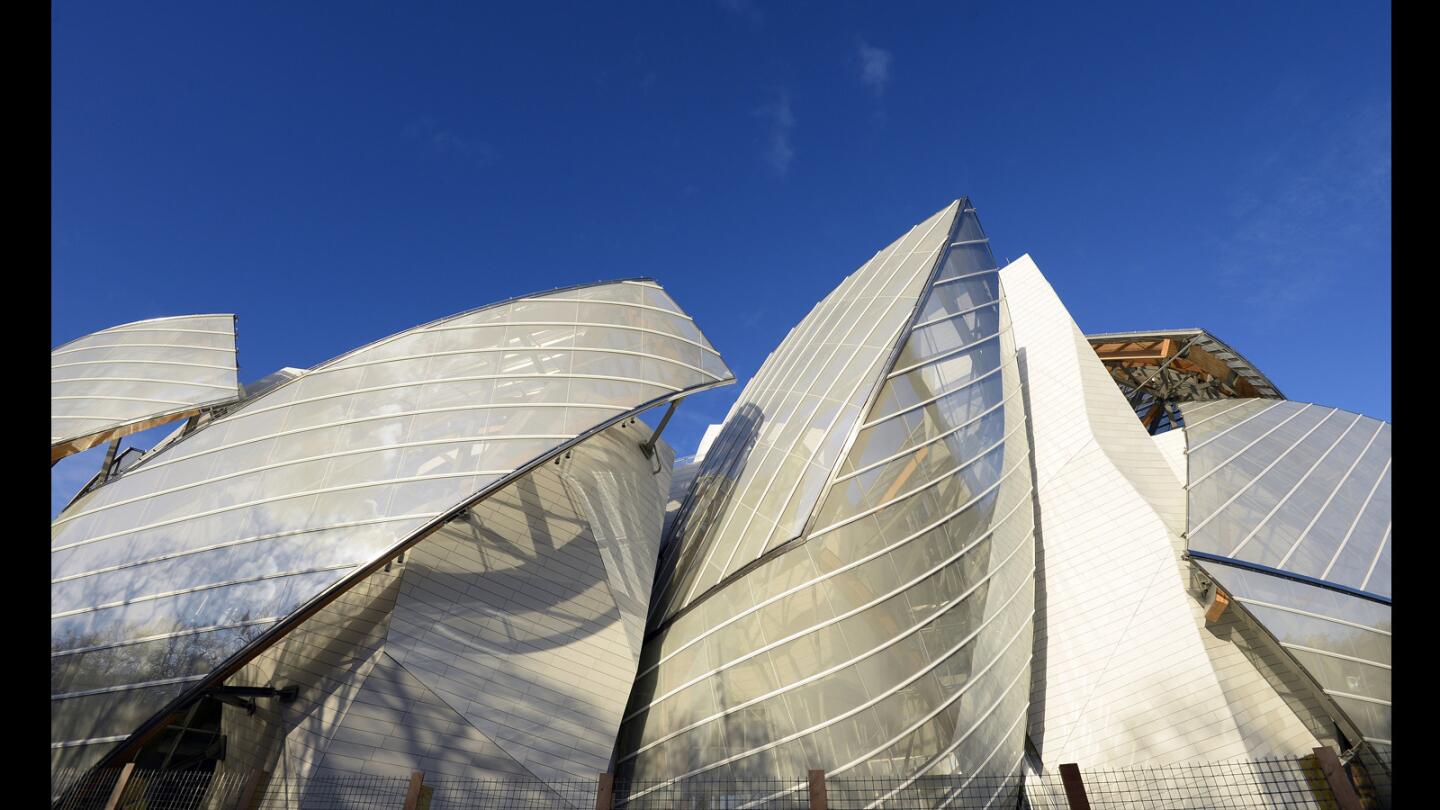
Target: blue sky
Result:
[334, 173]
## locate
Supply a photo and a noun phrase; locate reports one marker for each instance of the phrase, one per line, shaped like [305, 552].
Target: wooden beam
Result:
[1345, 795]
[1074, 787]
[1217, 606]
[412, 795]
[818, 798]
[120, 784]
[605, 792]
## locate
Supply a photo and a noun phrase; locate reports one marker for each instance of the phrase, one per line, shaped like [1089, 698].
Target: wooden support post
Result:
[1074, 787]
[605, 792]
[412, 796]
[120, 784]
[252, 791]
[1345, 795]
[1217, 606]
[818, 799]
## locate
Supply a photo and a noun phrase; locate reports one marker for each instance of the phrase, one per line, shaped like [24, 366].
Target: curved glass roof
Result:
[171, 569]
[1290, 510]
[137, 375]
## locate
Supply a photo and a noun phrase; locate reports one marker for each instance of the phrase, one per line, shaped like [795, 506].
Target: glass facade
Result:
[183, 560]
[893, 637]
[1290, 504]
[137, 375]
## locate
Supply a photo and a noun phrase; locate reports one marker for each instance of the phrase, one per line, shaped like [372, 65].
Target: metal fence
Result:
[1310, 782]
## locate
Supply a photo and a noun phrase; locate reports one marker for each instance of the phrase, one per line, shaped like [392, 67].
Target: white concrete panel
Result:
[1125, 671]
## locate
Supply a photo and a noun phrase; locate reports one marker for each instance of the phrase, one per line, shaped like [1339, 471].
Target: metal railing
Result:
[1316, 781]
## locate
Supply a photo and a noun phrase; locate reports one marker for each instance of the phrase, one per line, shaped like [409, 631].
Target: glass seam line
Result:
[907, 451]
[1296, 487]
[162, 636]
[489, 350]
[946, 355]
[943, 477]
[935, 760]
[873, 282]
[106, 397]
[863, 295]
[1246, 600]
[951, 279]
[1364, 585]
[380, 448]
[1338, 693]
[377, 417]
[857, 709]
[90, 741]
[126, 687]
[628, 304]
[183, 591]
[1333, 654]
[953, 315]
[155, 381]
[105, 360]
[287, 496]
[1252, 443]
[897, 591]
[1189, 425]
[624, 326]
[1247, 419]
[238, 542]
[1326, 505]
[943, 394]
[944, 704]
[93, 363]
[1259, 475]
[117, 330]
[846, 567]
[1019, 786]
[1359, 513]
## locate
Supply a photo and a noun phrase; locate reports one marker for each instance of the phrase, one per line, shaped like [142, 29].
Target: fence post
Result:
[1074, 787]
[605, 792]
[120, 784]
[1345, 794]
[818, 798]
[412, 796]
[254, 786]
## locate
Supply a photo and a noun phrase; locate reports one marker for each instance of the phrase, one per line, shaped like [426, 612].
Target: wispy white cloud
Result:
[779, 151]
[875, 67]
[1296, 203]
[429, 133]
[744, 8]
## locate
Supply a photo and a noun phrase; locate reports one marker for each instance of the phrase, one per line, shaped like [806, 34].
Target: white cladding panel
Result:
[1125, 671]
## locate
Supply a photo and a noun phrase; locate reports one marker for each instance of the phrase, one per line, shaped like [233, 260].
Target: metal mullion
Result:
[954, 315]
[143, 363]
[287, 496]
[922, 403]
[102, 347]
[163, 636]
[54, 381]
[1260, 474]
[127, 687]
[1254, 442]
[942, 356]
[1359, 513]
[1378, 551]
[1244, 421]
[1245, 600]
[1276, 508]
[151, 597]
[1331, 497]
[896, 591]
[867, 292]
[842, 569]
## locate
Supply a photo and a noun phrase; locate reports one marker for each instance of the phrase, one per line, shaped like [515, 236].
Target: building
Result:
[395, 559]
[942, 535]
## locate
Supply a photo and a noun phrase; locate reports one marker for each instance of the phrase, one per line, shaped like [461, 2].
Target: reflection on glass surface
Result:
[171, 568]
[893, 637]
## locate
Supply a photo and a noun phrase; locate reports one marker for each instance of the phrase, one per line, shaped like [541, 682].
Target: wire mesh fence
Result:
[1278, 783]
